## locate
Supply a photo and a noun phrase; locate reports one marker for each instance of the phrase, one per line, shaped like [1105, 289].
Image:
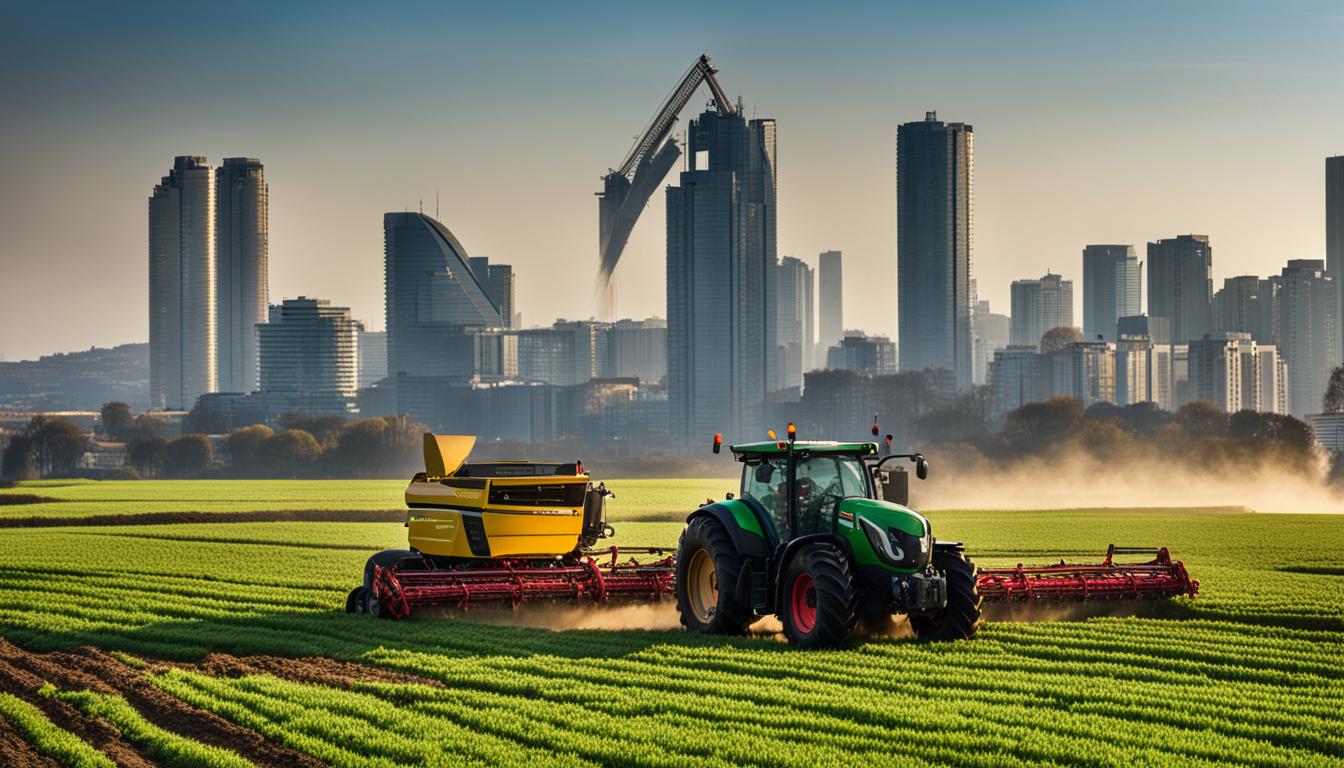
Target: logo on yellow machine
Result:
[466, 493]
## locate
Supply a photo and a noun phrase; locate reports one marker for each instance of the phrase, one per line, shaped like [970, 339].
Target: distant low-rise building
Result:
[864, 354]
[1231, 371]
[1329, 430]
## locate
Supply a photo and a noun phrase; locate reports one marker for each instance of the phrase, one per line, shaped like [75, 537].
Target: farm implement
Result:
[819, 535]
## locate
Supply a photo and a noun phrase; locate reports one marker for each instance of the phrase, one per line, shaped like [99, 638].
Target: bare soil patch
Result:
[322, 671]
[176, 518]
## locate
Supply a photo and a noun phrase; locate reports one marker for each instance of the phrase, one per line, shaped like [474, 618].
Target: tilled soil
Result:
[22, 673]
[175, 518]
[16, 752]
[322, 671]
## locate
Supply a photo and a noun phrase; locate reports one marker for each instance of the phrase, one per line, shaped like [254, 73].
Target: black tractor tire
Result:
[354, 602]
[817, 609]
[713, 610]
[961, 619]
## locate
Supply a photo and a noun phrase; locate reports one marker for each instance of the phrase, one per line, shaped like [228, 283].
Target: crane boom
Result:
[666, 116]
[627, 188]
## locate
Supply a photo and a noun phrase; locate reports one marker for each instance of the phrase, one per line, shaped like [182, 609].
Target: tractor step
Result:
[1158, 578]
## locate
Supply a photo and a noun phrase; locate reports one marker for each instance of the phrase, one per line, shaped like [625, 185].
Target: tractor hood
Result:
[886, 534]
[887, 513]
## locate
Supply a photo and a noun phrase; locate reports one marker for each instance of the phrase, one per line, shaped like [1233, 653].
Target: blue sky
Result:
[1094, 122]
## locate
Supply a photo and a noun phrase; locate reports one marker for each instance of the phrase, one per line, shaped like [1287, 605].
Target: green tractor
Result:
[820, 535]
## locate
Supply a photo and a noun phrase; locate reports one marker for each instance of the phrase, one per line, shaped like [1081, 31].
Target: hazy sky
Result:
[1094, 122]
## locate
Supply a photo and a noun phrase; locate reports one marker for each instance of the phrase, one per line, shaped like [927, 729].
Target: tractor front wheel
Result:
[818, 604]
[707, 569]
[960, 619]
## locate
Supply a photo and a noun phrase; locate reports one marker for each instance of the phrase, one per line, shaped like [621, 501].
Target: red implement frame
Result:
[1160, 577]
[509, 582]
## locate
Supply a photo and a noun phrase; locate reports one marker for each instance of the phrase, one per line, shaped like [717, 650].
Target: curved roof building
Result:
[433, 299]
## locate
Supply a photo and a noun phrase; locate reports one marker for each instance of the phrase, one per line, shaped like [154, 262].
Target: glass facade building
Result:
[182, 285]
[1179, 286]
[242, 291]
[1037, 307]
[433, 298]
[934, 217]
[1112, 288]
[721, 271]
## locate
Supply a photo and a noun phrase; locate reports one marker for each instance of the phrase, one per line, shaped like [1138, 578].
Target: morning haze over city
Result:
[629, 385]
[349, 216]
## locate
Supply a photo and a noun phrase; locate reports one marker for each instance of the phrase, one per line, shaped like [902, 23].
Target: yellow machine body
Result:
[493, 510]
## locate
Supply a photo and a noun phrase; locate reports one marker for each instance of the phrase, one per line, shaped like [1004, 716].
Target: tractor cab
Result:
[801, 487]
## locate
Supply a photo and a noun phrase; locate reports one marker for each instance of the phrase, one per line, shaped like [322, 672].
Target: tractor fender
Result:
[948, 546]
[748, 543]
[790, 550]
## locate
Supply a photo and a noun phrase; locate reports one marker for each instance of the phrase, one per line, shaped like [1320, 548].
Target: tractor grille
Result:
[541, 494]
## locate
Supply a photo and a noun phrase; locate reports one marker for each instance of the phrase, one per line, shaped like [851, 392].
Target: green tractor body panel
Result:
[745, 518]
[884, 515]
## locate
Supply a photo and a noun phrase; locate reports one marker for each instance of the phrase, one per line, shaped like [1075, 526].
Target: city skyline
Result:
[1050, 119]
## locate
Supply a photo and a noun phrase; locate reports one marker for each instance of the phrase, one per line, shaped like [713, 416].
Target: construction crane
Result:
[627, 188]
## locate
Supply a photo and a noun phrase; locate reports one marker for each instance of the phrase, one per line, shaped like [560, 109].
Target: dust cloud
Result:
[1079, 480]
[560, 616]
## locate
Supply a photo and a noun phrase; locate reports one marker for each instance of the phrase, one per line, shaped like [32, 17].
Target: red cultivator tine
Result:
[1108, 580]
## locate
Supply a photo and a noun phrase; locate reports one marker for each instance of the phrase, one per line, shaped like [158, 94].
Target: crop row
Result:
[166, 747]
[47, 738]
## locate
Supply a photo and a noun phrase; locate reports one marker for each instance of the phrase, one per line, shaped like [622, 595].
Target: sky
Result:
[1101, 122]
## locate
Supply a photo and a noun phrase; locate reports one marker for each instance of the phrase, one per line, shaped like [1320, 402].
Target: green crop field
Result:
[118, 639]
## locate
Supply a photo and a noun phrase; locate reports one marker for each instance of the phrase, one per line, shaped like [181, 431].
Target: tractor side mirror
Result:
[921, 468]
[764, 471]
[895, 485]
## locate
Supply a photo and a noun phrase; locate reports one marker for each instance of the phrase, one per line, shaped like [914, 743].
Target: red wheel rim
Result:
[803, 603]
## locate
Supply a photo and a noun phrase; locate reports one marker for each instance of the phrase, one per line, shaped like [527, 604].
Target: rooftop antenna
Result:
[436, 203]
[422, 206]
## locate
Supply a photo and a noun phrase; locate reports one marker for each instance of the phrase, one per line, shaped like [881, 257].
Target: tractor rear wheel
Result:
[707, 569]
[960, 620]
[818, 605]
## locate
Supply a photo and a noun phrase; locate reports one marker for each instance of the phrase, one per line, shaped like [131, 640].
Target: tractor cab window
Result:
[823, 482]
[768, 483]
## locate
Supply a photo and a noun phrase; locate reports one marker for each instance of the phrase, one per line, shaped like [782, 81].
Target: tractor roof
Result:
[810, 446]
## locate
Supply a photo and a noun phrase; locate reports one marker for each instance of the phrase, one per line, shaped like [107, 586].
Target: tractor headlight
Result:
[896, 547]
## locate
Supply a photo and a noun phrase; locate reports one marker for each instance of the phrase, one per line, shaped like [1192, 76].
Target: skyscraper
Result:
[830, 286]
[1179, 286]
[934, 174]
[1334, 230]
[1308, 331]
[242, 289]
[1038, 306]
[1112, 288]
[182, 285]
[795, 330]
[721, 279]
[1236, 306]
[372, 356]
[434, 299]
[497, 279]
